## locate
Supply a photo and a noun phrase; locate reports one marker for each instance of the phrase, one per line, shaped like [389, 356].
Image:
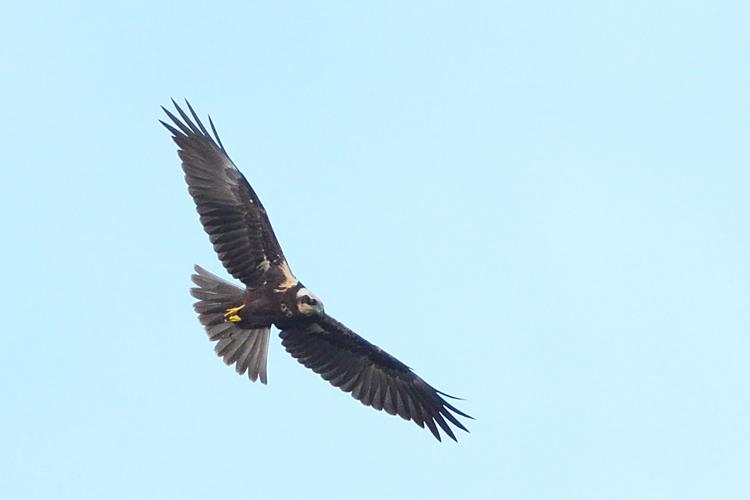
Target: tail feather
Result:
[248, 349]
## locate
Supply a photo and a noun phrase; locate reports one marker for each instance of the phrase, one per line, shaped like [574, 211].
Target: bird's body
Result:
[240, 320]
[281, 307]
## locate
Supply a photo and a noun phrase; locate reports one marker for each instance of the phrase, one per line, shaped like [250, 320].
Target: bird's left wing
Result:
[370, 374]
[230, 211]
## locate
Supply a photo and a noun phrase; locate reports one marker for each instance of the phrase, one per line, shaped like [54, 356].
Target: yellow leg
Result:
[231, 314]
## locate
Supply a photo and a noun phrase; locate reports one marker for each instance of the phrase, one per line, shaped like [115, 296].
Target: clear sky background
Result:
[541, 207]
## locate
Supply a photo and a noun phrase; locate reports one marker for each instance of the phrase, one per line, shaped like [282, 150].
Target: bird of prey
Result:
[239, 320]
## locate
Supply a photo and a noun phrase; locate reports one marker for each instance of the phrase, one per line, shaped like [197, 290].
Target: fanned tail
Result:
[248, 349]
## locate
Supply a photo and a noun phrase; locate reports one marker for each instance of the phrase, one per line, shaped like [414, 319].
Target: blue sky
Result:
[541, 207]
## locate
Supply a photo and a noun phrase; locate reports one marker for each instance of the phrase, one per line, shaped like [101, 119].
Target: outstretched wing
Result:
[229, 209]
[370, 374]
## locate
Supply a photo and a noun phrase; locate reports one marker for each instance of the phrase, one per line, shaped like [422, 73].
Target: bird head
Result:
[307, 303]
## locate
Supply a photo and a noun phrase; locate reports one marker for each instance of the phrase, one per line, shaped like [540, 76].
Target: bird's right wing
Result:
[229, 209]
[370, 374]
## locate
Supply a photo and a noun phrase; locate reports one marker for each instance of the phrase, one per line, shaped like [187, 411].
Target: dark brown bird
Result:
[240, 320]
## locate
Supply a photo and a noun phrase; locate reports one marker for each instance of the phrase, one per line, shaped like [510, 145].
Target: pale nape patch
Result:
[304, 291]
[305, 307]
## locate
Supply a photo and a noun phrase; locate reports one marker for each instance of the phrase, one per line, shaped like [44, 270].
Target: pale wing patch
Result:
[289, 279]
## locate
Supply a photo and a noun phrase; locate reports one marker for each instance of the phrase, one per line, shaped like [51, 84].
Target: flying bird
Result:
[240, 320]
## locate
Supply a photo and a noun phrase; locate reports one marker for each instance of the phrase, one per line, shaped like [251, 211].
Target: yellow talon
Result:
[231, 314]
